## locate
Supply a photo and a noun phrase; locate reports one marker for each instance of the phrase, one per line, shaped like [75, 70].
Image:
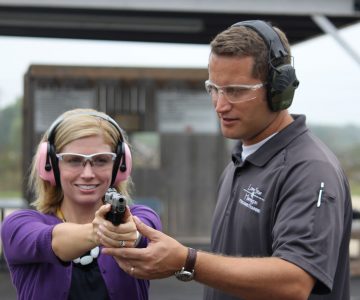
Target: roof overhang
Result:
[185, 21]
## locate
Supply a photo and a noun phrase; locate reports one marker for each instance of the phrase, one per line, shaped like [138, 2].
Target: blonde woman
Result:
[54, 252]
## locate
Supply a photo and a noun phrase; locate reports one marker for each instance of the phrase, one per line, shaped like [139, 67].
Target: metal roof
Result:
[185, 21]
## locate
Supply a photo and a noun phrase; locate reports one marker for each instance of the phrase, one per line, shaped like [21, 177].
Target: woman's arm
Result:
[71, 240]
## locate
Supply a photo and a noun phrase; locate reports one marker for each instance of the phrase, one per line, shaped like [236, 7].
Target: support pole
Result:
[325, 24]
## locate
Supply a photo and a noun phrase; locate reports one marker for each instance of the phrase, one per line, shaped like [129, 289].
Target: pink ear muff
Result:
[44, 174]
[49, 175]
[122, 176]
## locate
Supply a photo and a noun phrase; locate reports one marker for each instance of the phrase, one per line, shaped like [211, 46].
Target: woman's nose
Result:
[87, 169]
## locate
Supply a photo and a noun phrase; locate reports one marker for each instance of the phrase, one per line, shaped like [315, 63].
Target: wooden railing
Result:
[355, 258]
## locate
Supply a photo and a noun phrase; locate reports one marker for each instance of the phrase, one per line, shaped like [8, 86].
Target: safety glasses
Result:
[76, 161]
[233, 93]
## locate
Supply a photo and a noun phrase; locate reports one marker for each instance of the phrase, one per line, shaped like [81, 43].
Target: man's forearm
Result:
[253, 278]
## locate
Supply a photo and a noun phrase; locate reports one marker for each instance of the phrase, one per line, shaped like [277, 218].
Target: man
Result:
[282, 223]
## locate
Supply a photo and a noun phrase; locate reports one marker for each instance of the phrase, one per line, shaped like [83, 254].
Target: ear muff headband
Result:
[48, 162]
[269, 35]
[282, 80]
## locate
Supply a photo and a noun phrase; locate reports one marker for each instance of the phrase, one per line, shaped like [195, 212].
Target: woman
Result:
[54, 252]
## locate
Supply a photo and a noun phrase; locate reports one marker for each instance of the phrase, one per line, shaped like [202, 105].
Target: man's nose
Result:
[222, 103]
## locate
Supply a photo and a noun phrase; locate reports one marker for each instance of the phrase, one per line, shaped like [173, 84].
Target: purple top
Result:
[36, 271]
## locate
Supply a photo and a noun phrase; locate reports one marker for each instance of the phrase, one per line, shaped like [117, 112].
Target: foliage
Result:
[10, 147]
[9, 116]
[339, 138]
[345, 143]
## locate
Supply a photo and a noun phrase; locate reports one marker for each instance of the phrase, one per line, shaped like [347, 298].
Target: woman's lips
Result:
[87, 187]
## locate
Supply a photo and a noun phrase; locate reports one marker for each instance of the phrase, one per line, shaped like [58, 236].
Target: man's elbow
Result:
[301, 290]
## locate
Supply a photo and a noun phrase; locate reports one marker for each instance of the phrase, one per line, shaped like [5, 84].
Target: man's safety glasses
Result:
[233, 93]
[76, 161]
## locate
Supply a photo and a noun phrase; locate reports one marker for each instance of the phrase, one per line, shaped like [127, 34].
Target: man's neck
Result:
[281, 120]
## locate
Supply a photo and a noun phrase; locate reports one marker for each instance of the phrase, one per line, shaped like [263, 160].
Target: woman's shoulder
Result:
[141, 208]
[29, 215]
[147, 214]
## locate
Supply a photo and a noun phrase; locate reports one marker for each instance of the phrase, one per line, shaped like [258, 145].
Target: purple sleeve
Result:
[26, 236]
[147, 216]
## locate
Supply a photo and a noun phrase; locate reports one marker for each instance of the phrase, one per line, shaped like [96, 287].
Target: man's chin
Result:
[229, 134]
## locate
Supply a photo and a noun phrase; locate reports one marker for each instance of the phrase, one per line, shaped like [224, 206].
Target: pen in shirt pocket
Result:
[322, 185]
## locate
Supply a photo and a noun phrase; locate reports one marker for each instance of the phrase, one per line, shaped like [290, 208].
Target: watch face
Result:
[184, 275]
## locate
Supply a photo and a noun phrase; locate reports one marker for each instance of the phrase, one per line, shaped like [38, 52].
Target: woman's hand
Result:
[109, 235]
[161, 258]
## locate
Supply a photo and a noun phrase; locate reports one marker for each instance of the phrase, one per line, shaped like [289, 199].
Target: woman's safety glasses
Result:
[76, 161]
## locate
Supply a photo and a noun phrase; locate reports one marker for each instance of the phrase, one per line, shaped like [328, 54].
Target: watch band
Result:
[187, 272]
[190, 260]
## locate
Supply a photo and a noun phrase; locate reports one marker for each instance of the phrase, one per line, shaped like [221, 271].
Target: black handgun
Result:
[118, 206]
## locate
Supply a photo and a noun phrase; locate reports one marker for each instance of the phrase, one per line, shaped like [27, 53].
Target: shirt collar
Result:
[273, 145]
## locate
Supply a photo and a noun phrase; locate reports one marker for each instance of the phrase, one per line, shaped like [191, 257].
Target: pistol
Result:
[118, 206]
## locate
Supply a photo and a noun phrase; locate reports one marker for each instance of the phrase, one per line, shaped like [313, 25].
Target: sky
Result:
[329, 91]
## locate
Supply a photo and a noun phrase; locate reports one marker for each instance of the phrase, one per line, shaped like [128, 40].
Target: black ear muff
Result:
[47, 163]
[51, 159]
[123, 159]
[282, 80]
[55, 164]
[119, 163]
[282, 88]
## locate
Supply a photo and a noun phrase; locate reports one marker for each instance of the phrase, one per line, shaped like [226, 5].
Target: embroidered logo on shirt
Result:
[251, 198]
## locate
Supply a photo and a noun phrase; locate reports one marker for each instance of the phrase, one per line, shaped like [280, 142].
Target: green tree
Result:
[10, 148]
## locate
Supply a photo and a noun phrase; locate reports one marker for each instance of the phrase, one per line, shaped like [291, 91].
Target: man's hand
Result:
[162, 257]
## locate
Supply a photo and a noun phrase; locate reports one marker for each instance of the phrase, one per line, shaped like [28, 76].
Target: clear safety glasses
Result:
[233, 93]
[76, 161]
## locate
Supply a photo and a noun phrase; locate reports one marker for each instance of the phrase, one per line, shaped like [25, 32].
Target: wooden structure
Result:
[179, 152]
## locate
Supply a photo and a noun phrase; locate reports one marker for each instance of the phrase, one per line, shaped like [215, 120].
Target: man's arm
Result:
[249, 278]
[254, 278]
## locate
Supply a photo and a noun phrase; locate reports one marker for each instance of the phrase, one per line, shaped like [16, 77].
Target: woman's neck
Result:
[80, 214]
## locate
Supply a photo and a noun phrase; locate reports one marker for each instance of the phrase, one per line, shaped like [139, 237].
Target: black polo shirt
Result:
[269, 205]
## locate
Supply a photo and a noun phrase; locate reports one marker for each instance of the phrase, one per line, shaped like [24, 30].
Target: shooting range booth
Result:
[177, 147]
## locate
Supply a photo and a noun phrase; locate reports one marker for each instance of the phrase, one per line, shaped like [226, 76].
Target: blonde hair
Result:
[75, 124]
